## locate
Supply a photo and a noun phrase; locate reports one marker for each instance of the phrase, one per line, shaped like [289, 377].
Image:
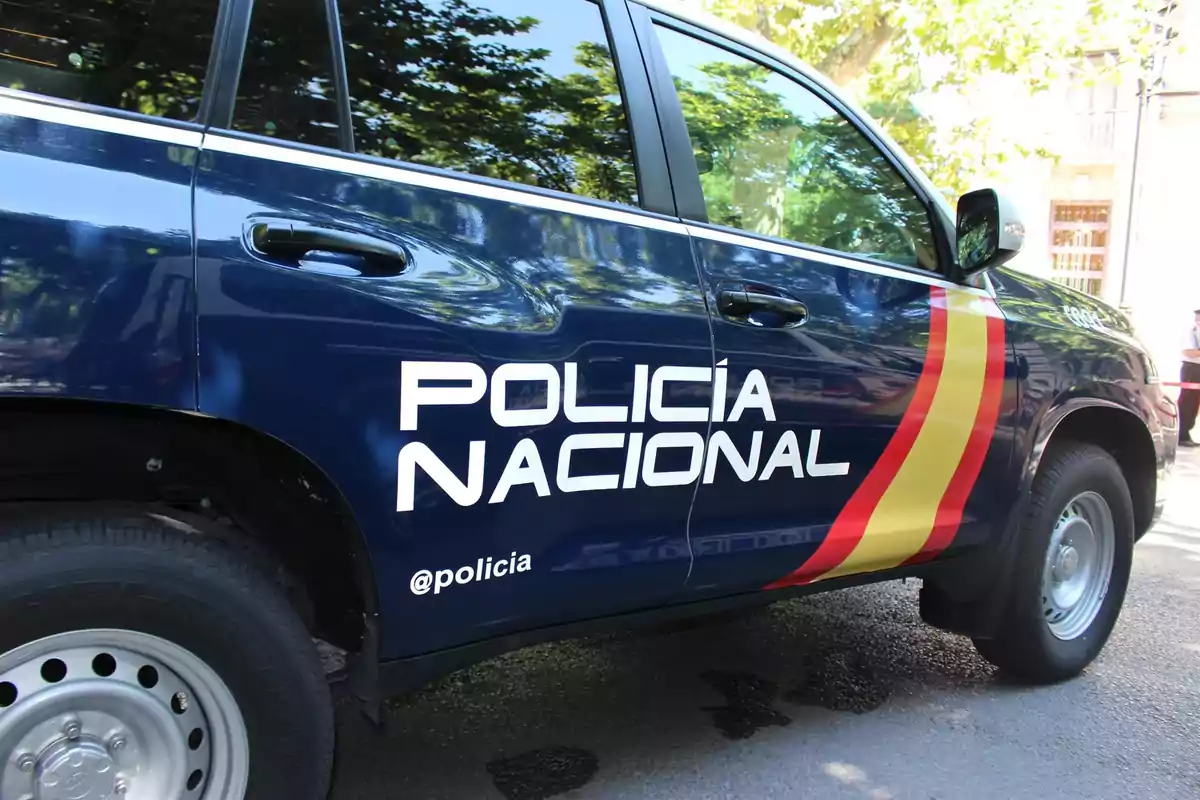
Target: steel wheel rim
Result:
[93, 714]
[1078, 566]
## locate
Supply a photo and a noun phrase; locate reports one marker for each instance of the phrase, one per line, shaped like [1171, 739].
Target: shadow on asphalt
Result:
[555, 718]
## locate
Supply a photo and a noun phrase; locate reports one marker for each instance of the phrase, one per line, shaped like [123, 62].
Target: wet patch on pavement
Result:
[840, 681]
[750, 703]
[544, 773]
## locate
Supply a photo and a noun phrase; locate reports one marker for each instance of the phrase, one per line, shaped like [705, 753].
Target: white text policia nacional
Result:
[423, 385]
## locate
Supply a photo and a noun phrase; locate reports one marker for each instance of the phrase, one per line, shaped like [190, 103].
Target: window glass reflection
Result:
[133, 55]
[521, 90]
[776, 159]
[286, 88]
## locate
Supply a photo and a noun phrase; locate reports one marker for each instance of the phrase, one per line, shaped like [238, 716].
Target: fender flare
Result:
[1049, 424]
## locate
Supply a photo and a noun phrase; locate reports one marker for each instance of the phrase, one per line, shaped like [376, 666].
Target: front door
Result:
[474, 353]
[857, 391]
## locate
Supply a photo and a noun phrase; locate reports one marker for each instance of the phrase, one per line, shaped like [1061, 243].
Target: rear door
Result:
[450, 287]
[98, 137]
[857, 390]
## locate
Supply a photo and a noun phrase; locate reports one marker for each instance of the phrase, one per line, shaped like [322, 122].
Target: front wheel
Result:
[1071, 570]
[139, 662]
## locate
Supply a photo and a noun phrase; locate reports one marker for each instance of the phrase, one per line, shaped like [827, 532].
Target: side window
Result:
[776, 159]
[135, 56]
[286, 88]
[522, 90]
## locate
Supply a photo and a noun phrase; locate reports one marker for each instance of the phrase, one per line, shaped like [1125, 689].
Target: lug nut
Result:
[71, 728]
[120, 786]
[116, 744]
[26, 763]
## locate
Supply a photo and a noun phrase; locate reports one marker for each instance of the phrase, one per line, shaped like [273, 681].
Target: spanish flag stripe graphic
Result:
[852, 522]
[950, 513]
[911, 503]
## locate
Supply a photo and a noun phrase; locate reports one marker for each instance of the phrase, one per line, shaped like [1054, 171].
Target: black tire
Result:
[65, 573]
[1024, 647]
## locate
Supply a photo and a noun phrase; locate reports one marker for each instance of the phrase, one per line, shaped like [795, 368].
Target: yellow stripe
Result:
[904, 517]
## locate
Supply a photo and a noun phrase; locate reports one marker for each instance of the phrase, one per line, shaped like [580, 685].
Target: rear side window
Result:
[286, 88]
[521, 90]
[147, 56]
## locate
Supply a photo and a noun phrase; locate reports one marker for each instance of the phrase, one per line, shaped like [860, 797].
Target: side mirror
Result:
[989, 231]
[704, 161]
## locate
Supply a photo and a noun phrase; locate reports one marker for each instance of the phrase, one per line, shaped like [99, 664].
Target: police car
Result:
[427, 329]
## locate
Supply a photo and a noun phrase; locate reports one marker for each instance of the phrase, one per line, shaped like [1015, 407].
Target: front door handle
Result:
[740, 304]
[294, 240]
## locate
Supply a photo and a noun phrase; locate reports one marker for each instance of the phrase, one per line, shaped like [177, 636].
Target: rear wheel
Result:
[1071, 570]
[143, 663]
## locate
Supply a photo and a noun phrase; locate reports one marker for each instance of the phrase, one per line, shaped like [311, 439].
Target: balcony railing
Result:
[1098, 130]
[1090, 135]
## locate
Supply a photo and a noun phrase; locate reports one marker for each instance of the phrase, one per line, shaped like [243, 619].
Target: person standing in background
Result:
[1189, 399]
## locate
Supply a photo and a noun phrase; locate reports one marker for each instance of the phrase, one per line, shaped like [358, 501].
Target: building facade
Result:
[1117, 215]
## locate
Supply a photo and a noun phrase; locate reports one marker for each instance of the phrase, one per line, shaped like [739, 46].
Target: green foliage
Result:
[887, 52]
[456, 84]
[780, 161]
[785, 169]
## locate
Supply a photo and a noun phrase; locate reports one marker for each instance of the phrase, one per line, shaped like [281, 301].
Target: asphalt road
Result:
[844, 695]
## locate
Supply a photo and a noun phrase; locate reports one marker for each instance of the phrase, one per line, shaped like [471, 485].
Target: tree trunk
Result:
[851, 56]
[762, 21]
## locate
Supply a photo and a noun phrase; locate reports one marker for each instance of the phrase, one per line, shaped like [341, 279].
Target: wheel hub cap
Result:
[1078, 566]
[76, 770]
[117, 715]
[1067, 563]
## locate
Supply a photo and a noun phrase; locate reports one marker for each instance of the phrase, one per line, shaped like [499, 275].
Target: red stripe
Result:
[851, 523]
[950, 510]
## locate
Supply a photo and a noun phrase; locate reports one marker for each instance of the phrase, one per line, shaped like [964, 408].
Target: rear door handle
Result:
[739, 304]
[293, 240]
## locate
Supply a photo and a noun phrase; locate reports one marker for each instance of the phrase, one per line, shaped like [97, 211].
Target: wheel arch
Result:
[1120, 431]
[212, 475]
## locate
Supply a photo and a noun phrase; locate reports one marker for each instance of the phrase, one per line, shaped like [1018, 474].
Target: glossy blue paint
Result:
[863, 342]
[840, 382]
[102, 300]
[1063, 359]
[95, 266]
[315, 360]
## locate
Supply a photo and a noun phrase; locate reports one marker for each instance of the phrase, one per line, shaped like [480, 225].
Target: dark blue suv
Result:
[421, 330]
